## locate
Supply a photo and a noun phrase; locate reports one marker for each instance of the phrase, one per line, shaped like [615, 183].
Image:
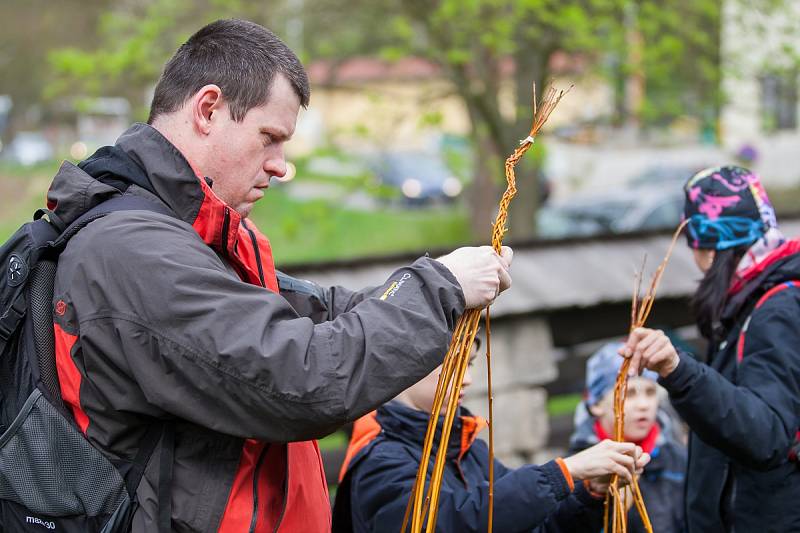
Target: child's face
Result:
[641, 407]
[420, 396]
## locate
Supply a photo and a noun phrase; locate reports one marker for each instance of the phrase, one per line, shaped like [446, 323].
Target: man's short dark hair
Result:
[239, 56]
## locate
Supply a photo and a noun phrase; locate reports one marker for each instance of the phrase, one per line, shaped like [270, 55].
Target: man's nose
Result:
[275, 165]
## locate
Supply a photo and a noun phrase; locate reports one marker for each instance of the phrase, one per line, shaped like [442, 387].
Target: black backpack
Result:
[51, 477]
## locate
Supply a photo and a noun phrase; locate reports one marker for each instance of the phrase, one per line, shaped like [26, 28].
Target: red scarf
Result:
[647, 444]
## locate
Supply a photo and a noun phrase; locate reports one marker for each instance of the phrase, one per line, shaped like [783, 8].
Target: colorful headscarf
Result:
[728, 207]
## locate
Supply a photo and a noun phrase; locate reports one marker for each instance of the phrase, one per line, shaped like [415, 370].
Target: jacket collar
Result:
[148, 160]
[410, 425]
[176, 182]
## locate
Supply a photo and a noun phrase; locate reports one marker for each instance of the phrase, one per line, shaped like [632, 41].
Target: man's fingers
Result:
[505, 279]
[506, 255]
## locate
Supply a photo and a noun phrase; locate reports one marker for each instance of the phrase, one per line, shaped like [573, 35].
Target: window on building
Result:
[779, 101]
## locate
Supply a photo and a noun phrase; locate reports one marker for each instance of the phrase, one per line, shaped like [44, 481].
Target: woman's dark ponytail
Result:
[709, 300]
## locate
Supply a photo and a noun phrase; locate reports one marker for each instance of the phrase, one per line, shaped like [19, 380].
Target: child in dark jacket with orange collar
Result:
[563, 495]
[646, 425]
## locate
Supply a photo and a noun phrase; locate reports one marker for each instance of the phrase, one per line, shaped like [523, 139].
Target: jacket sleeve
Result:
[319, 303]
[578, 513]
[523, 498]
[755, 420]
[236, 358]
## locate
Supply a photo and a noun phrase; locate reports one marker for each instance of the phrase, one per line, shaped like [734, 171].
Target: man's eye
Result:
[267, 139]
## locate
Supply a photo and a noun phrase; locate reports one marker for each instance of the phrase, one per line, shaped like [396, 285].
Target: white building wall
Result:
[752, 43]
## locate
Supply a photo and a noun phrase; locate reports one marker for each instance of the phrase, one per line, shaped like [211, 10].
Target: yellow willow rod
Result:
[491, 421]
[445, 378]
[457, 358]
[436, 478]
[640, 311]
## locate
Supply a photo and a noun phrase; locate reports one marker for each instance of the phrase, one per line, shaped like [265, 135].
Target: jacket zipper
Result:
[258, 254]
[254, 519]
[226, 223]
[285, 493]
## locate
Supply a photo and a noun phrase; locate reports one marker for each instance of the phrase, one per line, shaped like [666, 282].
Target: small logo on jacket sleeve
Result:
[395, 286]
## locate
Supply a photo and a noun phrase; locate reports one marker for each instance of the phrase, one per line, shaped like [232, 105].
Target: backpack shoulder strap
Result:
[764, 297]
[43, 279]
[124, 202]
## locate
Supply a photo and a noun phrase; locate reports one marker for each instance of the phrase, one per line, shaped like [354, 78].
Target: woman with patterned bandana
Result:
[742, 401]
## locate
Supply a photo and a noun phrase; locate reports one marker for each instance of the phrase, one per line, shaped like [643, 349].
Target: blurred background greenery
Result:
[416, 103]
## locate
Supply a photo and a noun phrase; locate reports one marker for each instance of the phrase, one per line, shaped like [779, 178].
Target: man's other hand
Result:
[482, 273]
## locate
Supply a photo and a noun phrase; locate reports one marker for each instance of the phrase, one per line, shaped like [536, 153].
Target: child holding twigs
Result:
[742, 402]
[647, 426]
[564, 495]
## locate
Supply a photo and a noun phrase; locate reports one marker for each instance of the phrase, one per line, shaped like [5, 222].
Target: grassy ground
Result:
[319, 229]
[300, 231]
[563, 404]
[22, 191]
[309, 230]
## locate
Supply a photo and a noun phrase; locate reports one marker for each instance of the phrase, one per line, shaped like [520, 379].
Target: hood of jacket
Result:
[144, 162]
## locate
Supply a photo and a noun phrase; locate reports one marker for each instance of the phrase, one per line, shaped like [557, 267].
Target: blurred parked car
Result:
[643, 208]
[421, 177]
[28, 148]
[666, 176]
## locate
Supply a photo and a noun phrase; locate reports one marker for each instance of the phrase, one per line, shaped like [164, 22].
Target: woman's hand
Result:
[606, 458]
[651, 349]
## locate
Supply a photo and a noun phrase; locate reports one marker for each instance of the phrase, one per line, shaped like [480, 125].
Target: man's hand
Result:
[481, 273]
[606, 458]
[651, 349]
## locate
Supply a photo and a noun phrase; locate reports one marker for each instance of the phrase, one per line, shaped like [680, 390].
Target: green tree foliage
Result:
[28, 30]
[681, 59]
[672, 46]
[133, 41]
[473, 40]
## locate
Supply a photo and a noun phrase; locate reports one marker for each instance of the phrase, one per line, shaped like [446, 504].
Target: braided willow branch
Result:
[424, 504]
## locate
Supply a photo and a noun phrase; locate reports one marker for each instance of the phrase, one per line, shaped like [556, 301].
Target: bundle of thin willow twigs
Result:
[620, 499]
[424, 504]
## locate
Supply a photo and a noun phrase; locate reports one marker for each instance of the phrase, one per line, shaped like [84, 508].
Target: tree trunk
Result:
[484, 194]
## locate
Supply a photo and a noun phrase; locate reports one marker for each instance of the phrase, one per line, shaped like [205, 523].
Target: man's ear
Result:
[205, 103]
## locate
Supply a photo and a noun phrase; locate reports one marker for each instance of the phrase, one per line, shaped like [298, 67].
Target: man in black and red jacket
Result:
[177, 314]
